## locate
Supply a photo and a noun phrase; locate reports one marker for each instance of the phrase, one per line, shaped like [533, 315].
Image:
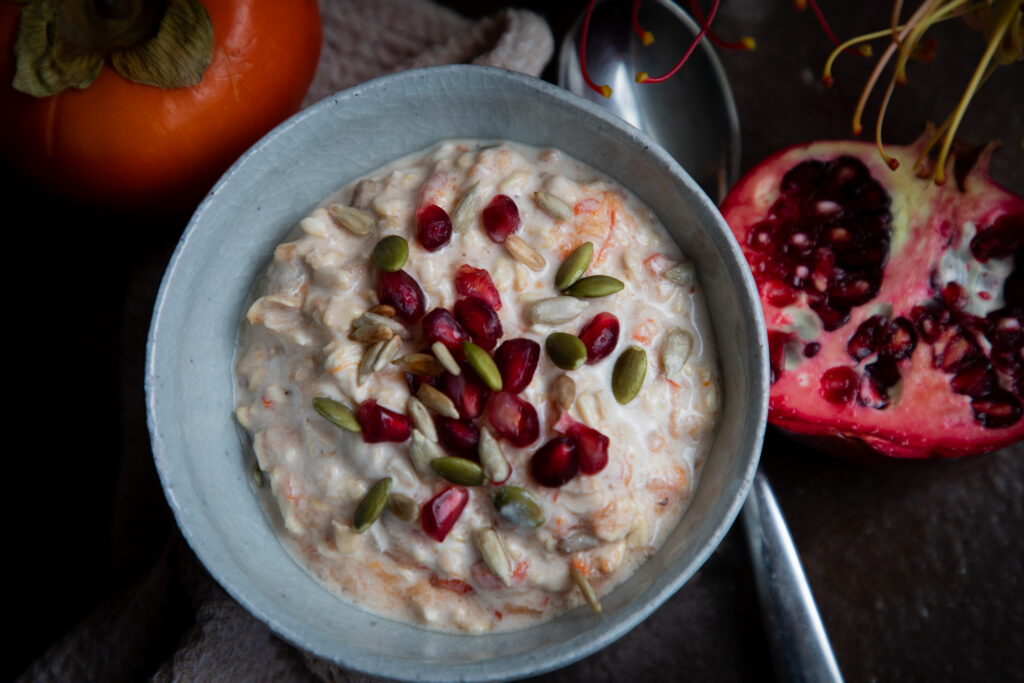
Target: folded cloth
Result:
[173, 622]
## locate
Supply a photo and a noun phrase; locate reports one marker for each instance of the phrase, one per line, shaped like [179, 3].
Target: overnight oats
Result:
[480, 385]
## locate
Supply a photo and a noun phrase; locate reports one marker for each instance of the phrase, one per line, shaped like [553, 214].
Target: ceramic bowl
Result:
[229, 241]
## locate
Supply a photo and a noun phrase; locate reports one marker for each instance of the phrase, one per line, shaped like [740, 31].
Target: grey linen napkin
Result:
[173, 613]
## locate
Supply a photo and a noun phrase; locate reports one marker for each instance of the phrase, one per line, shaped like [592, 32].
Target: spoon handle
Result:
[798, 643]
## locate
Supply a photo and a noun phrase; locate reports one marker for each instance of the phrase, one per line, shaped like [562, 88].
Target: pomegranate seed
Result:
[1005, 236]
[380, 424]
[976, 379]
[480, 320]
[513, 419]
[433, 227]
[439, 514]
[440, 325]
[467, 392]
[900, 339]
[458, 437]
[591, 448]
[470, 281]
[811, 349]
[517, 361]
[555, 463]
[403, 293]
[926, 320]
[839, 384]
[954, 296]
[600, 336]
[501, 218]
[959, 350]
[866, 340]
[998, 410]
[777, 352]
[778, 294]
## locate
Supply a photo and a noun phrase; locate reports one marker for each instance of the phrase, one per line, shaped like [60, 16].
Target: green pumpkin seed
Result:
[372, 505]
[391, 253]
[565, 350]
[518, 506]
[459, 471]
[628, 374]
[403, 507]
[483, 364]
[574, 265]
[594, 286]
[338, 413]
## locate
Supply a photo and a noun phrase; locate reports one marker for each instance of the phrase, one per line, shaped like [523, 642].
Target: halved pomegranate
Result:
[513, 419]
[470, 281]
[400, 290]
[893, 304]
[480, 320]
[517, 361]
[380, 424]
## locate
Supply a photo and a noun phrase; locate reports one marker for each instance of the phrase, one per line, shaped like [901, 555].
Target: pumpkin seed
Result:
[352, 219]
[257, 476]
[459, 471]
[367, 363]
[421, 418]
[483, 364]
[675, 351]
[628, 374]
[558, 309]
[580, 579]
[594, 286]
[577, 542]
[391, 253]
[337, 412]
[387, 352]
[403, 507]
[419, 364]
[422, 452]
[467, 208]
[564, 391]
[680, 274]
[518, 506]
[437, 401]
[372, 504]
[492, 459]
[565, 350]
[371, 334]
[553, 205]
[442, 354]
[574, 265]
[495, 556]
[524, 252]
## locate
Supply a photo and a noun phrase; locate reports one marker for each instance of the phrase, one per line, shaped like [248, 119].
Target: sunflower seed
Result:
[483, 364]
[467, 208]
[372, 504]
[367, 362]
[337, 412]
[388, 352]
[369, 318]
[383, 310]
[459, 471]
[437, 401]
[494, 554]
[492, 459]
[558, 309]
[564, 391]
[628, 374]
[680, 274]
[589, 595]
[675, 351]
[403, 507]
[352, 219]
[594, 286]
[524, 252]
[589, 410]
[421, 418]
[553, 205]
[574, 265]
[577, 542]
[514, 182]
[422, 364]
[345, 539]
[422, 452]
[518, 506]
[445, 357]
[371, 334]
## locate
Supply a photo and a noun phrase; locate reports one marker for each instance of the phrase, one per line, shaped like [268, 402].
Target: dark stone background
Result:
[918, 568]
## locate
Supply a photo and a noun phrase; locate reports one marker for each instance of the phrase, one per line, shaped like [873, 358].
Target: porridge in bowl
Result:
[480, 385]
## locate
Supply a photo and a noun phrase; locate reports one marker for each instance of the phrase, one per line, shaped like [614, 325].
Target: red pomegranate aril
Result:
[433, 227]
[928, 322]
[839, 384]
[591, 448]
[1001, 240]
[379, 424]
[513, 419]
[959, 350]
[998, 410]
[867, 338]
[479, 320]
[778, 294]
[555, 463]
[466, 390]
[501, 218]
[811, 349]
[440, 325]
[517, 362]
[600, 336]
[470, 281]
[975, 379]
[900, 339]
[403, 293]
[457, 437]
[439, 514]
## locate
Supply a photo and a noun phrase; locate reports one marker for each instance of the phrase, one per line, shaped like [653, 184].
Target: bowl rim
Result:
[502, 669]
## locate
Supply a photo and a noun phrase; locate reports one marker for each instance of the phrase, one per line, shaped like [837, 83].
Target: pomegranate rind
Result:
[928, 419]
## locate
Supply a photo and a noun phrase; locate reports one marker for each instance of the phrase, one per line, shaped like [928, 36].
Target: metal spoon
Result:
[694, 117]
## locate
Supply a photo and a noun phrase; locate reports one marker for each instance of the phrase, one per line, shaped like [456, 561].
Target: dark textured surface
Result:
[918, 568]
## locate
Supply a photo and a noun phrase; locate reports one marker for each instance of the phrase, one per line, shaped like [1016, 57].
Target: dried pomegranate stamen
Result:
[643, 77]
[606, 89]
[801, 5]
[744, 43]
[646, 36]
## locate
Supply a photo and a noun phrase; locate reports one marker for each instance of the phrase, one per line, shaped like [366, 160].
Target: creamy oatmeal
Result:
[480, 385]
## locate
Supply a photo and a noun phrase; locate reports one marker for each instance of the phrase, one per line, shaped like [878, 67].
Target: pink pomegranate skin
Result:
[929, 248]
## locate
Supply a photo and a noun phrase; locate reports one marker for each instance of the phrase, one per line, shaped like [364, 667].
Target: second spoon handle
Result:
[799, 646]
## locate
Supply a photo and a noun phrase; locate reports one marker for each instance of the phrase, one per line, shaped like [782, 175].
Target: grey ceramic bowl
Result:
[229, 241]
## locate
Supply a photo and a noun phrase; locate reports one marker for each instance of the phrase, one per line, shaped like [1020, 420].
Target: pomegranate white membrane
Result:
[480, 385]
